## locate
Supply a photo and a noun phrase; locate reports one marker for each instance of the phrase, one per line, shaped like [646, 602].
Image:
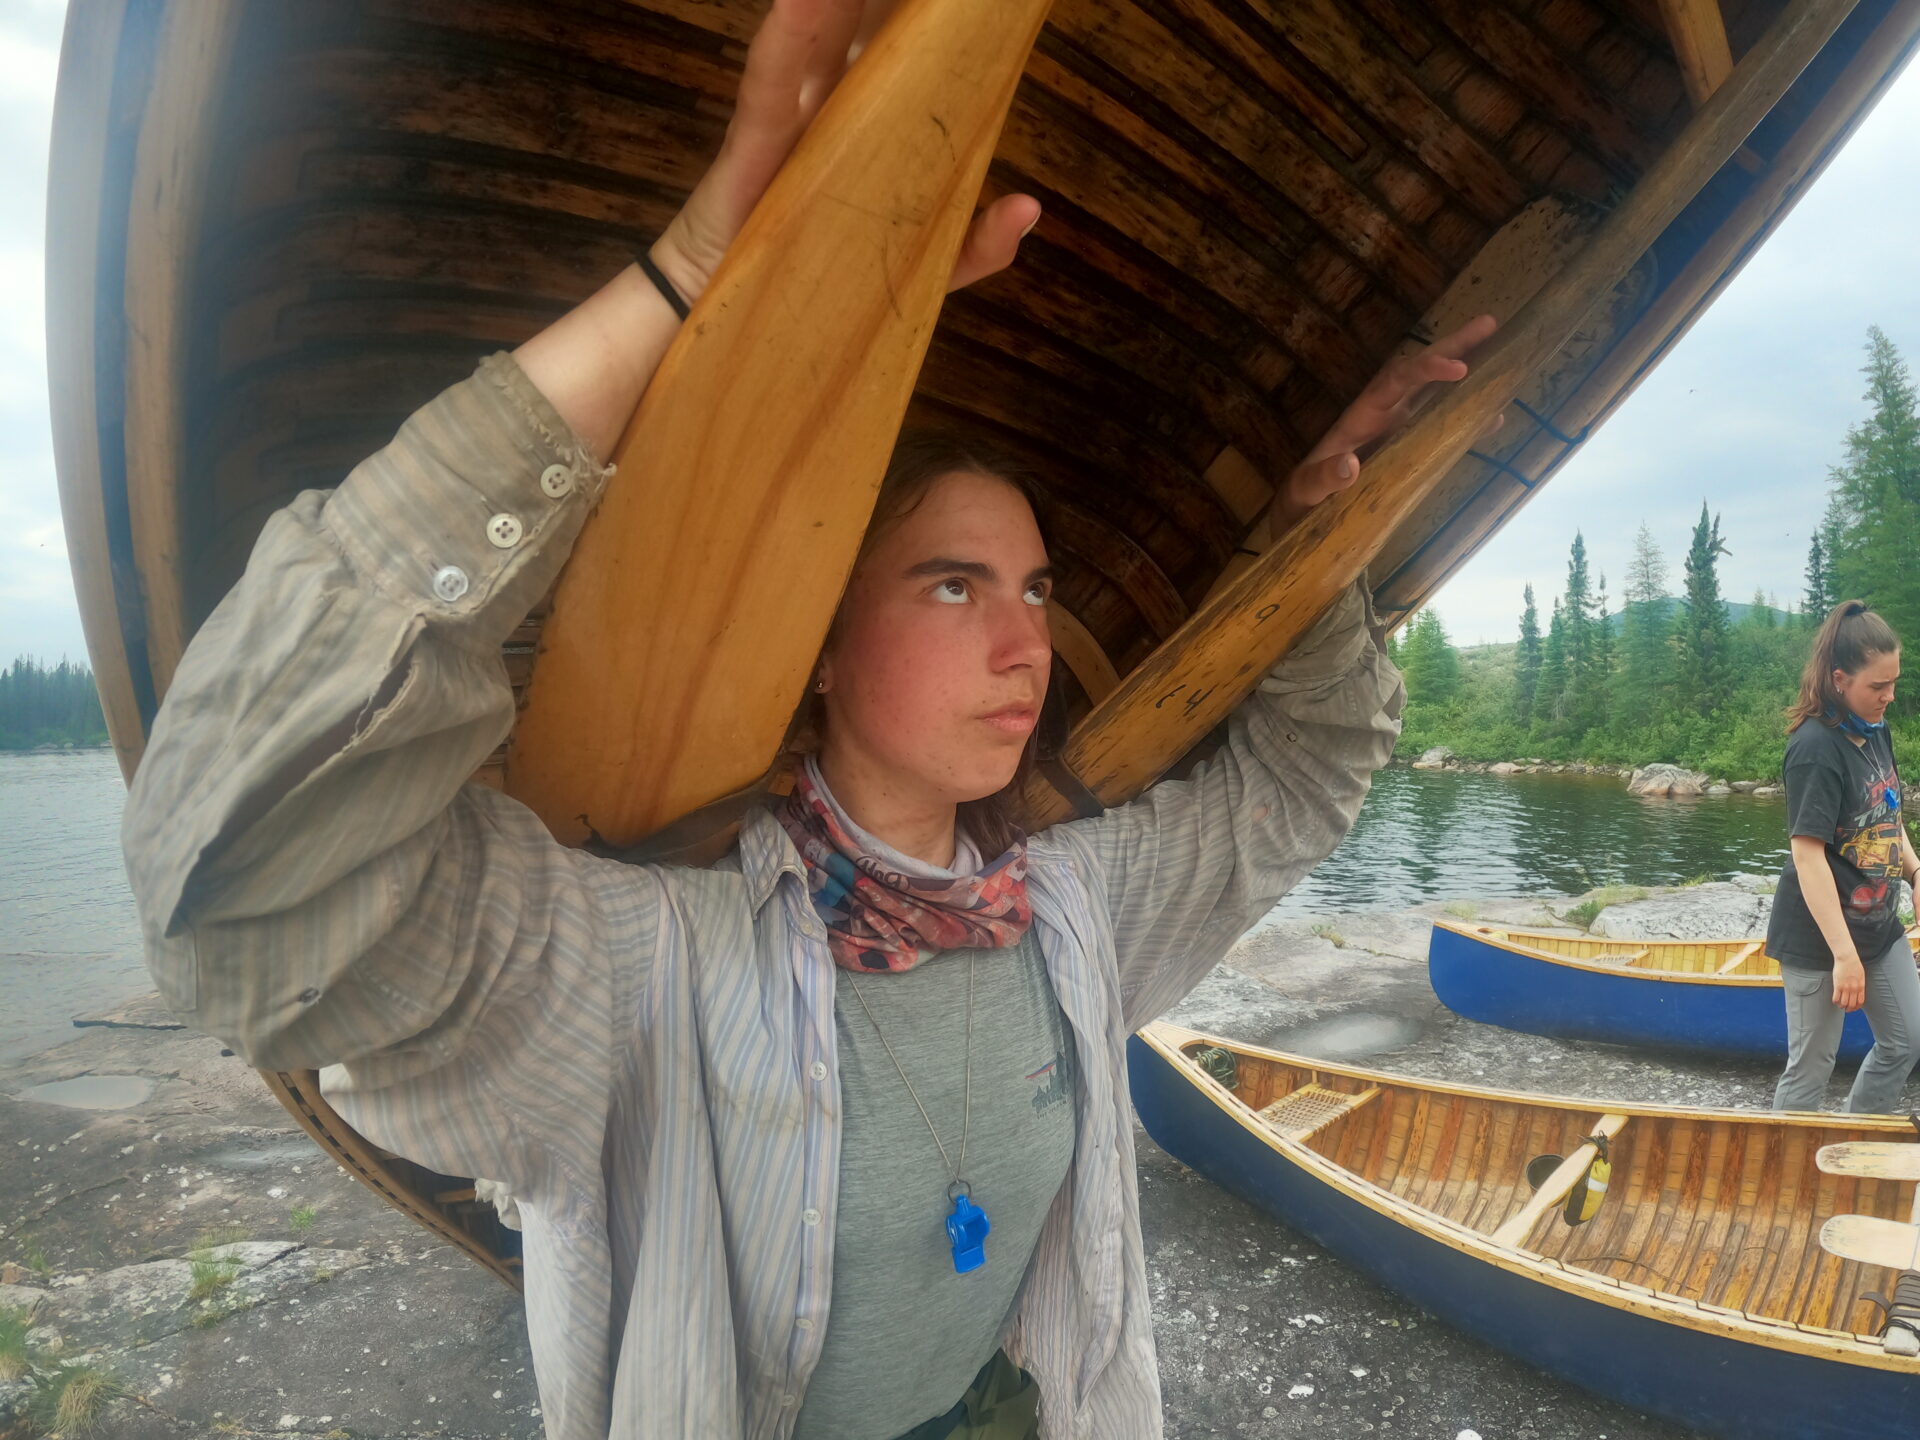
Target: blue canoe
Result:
[1716, 997]
[1698, 1292]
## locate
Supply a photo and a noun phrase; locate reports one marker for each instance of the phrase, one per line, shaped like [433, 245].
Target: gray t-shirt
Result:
[905, 1333]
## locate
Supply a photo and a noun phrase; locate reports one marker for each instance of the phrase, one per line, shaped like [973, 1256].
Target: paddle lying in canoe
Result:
[1880, 1159]
[1874, 1241]
[1697, 1290]
[1716, 997]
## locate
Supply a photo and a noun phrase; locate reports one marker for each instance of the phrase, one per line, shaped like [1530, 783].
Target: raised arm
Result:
[1189, 866]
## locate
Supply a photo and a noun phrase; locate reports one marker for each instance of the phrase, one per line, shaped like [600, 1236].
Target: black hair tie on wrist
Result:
[660, 281]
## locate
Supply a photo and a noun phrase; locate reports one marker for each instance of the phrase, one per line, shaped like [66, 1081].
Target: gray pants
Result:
[1813, 1035]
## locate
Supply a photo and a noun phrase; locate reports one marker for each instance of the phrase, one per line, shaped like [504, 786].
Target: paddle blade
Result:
[1872, 1159]
[1872, 1241]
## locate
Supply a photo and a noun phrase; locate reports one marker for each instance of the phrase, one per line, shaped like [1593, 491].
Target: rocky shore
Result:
[163, 1221]
[1659, 780]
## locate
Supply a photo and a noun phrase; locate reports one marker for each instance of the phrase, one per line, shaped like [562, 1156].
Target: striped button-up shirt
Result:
[644, 1055]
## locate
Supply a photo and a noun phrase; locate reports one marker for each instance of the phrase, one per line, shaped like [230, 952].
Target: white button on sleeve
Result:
[818, 1070]
[804, 1323]
[557, 481]
[810, 1215]
[449, 583]
[787, 1401]
[505, 530]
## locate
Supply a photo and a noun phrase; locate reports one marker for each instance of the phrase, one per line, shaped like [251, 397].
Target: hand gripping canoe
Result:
[688, 620]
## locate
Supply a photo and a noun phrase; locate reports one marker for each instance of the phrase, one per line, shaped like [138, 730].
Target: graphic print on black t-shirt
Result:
[1844, 795]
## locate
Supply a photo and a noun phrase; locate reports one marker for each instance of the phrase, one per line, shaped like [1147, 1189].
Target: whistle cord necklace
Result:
[967, 1225]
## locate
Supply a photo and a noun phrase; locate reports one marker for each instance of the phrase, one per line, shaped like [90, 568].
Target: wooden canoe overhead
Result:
[276, 229]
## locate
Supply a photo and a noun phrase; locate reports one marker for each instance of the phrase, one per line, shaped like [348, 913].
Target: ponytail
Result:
[1849, 638]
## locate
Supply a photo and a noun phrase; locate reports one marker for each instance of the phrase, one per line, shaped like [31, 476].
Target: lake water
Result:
[69, 941]
[1435, 835]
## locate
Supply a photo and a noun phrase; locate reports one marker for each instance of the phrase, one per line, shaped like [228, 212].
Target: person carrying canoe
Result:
[833, 1138]
[1835, 927]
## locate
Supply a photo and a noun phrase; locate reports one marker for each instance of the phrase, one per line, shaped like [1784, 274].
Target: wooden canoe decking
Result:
[1682, 957]
[1708, 1209]
[278, 229]
[1710, 1226]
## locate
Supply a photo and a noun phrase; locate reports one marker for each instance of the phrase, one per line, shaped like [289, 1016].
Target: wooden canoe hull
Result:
[1518, 987]
[1715, 1373]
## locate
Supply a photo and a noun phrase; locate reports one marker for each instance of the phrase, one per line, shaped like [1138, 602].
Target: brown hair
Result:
[922, 457]
[1847, 640]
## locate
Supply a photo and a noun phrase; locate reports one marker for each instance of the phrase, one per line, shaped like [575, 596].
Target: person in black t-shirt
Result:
[1836, 928]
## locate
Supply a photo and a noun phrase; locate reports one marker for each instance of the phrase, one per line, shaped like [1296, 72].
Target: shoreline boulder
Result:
[1714, 911]
[1668, 780]
[1435, 759]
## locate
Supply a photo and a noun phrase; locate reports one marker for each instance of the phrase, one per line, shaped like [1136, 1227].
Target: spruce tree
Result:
[1601, 659]
[1549, 695]
[1645, 630]
[1429, 662]
[1819, 582]
[1702, 671]
[1879, 490]
[1835, 528]
[1579, 627]
[1526, 660]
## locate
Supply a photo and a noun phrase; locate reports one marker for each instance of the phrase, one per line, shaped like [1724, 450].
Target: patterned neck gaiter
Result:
[879, 915]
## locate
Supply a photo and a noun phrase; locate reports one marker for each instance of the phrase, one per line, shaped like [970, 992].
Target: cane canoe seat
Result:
[1305, 1112]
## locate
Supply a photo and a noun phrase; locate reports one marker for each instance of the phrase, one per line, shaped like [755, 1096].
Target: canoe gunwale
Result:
[1168, 1041]
[1640, 970]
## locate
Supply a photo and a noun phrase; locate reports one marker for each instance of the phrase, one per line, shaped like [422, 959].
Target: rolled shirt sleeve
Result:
[314, 883]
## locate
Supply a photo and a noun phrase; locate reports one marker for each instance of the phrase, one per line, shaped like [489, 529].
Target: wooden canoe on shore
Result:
[1699, 1291]
[1715, 997]
[275, 229]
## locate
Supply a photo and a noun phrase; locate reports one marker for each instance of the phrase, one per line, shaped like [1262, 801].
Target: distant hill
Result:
[1502, 649]
[1736, 611]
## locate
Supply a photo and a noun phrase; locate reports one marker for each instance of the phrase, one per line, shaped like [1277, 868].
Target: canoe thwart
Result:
[1739, 957]
[1570, 1172]
[1305, 1112]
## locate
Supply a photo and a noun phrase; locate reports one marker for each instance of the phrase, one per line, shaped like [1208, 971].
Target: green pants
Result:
[1003, 1403]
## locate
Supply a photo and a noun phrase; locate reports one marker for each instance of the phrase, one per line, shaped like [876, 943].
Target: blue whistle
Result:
[1893, 798]
[967, 1232]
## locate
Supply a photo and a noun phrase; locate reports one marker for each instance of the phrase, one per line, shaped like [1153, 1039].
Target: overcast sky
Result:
[1748, 413]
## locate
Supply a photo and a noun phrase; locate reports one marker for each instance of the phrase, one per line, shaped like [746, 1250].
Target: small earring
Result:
[820, 687]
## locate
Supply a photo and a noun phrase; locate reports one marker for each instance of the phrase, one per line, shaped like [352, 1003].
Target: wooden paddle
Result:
[1871, 1159]
[688, 620]
[1872, 1241]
